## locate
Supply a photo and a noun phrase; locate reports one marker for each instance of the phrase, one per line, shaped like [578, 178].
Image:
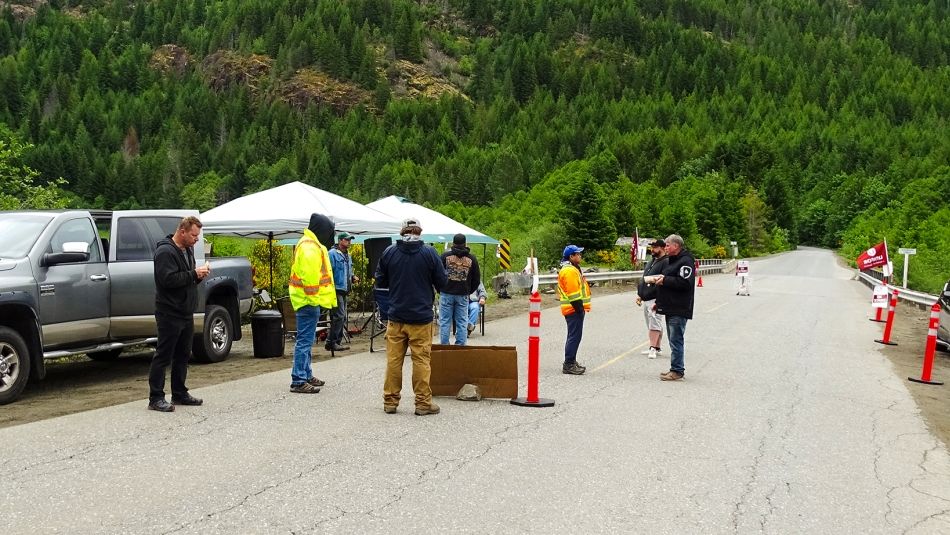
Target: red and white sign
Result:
[742, 267]
[879, 296]
[874, 257]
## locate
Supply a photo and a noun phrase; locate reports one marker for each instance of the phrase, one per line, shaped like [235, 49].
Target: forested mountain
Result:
[769, 122]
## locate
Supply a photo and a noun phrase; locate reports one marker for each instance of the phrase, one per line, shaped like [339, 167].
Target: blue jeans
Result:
[575, 329]
[675, 332]
[307, 317]
[473, 309]
[453, 308]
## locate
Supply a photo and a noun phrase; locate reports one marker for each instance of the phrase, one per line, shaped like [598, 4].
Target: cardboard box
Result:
[493, 368]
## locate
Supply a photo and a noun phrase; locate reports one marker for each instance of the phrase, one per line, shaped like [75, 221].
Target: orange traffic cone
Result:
[699, 283]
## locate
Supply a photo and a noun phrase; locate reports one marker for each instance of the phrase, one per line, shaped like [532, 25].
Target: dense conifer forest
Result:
[770, 122]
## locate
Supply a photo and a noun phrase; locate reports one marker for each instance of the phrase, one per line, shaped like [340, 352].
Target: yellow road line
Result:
[618, 357]
[713, 309]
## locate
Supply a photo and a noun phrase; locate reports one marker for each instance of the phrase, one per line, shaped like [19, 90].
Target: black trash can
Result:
[267, 329]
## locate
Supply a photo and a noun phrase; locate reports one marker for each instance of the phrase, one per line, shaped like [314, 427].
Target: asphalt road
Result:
[790, 420]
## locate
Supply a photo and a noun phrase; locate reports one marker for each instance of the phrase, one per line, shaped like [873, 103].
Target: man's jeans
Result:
[675, 332]
[575, 330]
[307, 317]
[337, 319]
[453, 307]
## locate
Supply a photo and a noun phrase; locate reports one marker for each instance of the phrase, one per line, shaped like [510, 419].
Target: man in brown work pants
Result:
[412, 271]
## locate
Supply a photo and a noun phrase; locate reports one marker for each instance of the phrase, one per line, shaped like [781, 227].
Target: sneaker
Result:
[651, 354]
[573, 369]
[471, 328]
[304, 388]
[161, 405]
[671, 376]
[646, 351]
[315, 382]
[389, 409]
[422, 411]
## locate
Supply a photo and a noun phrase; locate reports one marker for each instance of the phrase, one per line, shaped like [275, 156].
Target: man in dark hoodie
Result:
[464, 277]
[412, 271]
[674, 299]
[176, 295]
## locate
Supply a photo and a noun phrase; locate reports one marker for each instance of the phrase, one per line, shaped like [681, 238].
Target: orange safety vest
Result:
[311, 279]
[571, 286]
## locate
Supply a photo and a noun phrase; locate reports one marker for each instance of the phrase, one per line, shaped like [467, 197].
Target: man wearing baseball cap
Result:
[574, 294]
[344, 279]
[646, 295]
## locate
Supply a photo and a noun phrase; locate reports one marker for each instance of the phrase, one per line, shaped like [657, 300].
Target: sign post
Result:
[906, 252]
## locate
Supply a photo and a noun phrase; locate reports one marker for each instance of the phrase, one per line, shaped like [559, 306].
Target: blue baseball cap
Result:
[571, 249]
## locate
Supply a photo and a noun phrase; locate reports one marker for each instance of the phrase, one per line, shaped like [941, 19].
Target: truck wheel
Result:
[105, 356]
[14, 365]
[214, 342]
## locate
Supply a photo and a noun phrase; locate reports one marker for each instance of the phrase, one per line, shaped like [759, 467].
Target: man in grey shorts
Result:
[646, 297]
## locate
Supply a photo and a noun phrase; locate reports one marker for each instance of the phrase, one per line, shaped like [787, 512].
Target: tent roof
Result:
[436, 227]
[285, 211]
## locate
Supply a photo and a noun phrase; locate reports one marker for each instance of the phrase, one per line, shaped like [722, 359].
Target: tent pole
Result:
[270, 246]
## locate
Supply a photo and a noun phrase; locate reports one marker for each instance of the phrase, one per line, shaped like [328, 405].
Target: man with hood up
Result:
[176, 295]
[311, 287]
[464, 278]
[412, 271]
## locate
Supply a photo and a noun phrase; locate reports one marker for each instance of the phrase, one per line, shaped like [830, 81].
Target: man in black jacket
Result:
[412, 271]
[464, 277]
[646, 296]
[176, 295]
[675, 300]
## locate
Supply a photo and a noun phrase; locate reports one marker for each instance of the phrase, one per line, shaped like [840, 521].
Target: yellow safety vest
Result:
[571, 286]
[311, 279]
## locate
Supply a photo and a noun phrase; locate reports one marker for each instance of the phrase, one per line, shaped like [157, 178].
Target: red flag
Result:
[635, 247]
[874, 257]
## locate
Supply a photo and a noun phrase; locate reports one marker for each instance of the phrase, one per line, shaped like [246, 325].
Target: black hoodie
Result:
[462, 270]
[176, 283]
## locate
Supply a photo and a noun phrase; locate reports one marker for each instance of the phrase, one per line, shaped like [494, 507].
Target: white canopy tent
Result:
[284, 211]
[436, 227]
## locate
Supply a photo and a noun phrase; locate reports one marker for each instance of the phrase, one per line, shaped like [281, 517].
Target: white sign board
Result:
[742, 267]
[904, 250]
[880, 296]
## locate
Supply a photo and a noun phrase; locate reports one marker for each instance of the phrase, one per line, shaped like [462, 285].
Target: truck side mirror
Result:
[73, 251]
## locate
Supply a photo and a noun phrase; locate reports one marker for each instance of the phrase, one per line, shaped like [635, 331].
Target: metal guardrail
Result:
[706, 266]
[920, 299]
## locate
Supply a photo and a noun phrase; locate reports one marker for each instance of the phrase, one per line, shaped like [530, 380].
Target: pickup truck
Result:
[65, 289]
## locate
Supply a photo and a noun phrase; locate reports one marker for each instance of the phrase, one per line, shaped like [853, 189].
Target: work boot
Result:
[161, 405]
[336, 347]
[187, 399]
[573, 368]
[671, 376]
[422, 411]
[389, 409]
